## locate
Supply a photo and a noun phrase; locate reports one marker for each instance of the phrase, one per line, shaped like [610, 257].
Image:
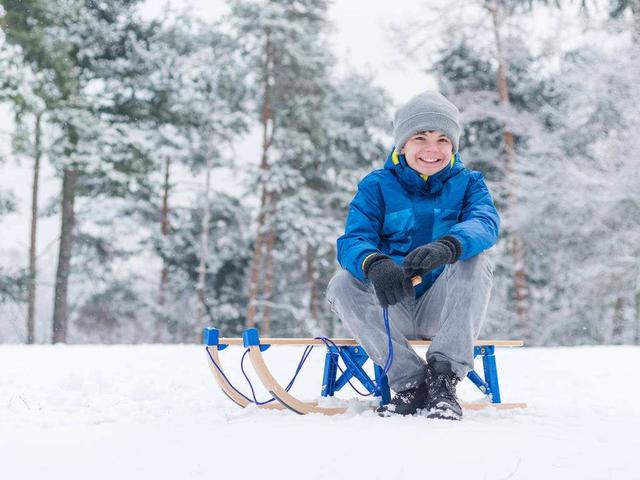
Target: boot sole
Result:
[443, 414]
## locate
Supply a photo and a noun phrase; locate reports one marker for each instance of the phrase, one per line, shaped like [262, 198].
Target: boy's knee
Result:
[339, 283]
[483, 263]
[477, 266]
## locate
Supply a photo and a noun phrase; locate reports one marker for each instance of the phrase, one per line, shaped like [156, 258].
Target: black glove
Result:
[432, 255]
[388, 280]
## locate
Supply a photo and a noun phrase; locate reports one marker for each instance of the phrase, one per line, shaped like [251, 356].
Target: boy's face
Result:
[428, 152]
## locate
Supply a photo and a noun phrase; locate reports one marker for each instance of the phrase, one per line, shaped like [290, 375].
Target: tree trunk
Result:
[266, 119]
[164, 228]
[516, 244]
[618, 330]
[31, 287]
[313, 286]
[256, 261]
[637, 336]
[204, 249]
[64, 258]
[635, 13]
[268, 280]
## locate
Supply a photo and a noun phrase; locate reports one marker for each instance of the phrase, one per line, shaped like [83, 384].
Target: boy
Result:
[423, 214]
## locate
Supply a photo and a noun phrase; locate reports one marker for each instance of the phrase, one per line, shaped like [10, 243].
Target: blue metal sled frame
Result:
[355, 357]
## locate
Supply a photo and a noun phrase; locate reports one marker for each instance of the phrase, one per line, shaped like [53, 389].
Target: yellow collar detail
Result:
[394, 157]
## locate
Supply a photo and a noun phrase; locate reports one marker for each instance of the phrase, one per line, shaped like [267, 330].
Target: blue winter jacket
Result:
[396, 210]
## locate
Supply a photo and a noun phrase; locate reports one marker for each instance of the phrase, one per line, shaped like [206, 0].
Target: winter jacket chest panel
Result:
[416, 216]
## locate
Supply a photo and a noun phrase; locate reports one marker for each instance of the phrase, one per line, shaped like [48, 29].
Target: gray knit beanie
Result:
[424, 112]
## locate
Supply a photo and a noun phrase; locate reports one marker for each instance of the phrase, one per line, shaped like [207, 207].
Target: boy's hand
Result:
[388, 280]
[431, 256]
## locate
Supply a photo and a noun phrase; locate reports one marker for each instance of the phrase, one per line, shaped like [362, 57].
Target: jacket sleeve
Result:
[480, 221]
[363, 228]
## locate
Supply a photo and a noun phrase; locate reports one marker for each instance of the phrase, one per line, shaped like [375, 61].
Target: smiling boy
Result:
[423, 214]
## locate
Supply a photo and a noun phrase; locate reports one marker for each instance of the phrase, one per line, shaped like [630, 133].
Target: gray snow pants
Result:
[450, 314]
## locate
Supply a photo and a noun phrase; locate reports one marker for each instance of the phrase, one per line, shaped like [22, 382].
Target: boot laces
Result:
[443, 385]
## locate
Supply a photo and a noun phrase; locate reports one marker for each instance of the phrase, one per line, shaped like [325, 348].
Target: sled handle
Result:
[417, 280]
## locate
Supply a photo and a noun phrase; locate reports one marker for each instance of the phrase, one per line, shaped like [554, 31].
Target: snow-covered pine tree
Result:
[211, 103]
[353, 118]
[76, 41]
[12, 284]
[572, 137]
[155, 92]
[357, 120]
[470, 77]
[227, 263]
[285, 43]
[594, 273]
[182, 89]
[215, 94]
[12, 77]
[627, 9]
[26, 91]
[313, 129]
[499, 87]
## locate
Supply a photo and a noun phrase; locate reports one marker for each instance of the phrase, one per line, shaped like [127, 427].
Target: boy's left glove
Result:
[431, 256]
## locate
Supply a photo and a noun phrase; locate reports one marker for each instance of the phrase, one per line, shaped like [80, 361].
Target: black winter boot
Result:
[406, 402]
[441, 391]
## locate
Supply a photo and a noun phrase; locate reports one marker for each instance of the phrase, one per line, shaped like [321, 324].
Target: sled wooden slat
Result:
[228, 390]
[350, 341]
[284, 397]
[497, 406]
[222, 382]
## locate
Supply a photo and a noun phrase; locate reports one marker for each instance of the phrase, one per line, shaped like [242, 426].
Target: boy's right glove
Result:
[433, 255]
[388, 280]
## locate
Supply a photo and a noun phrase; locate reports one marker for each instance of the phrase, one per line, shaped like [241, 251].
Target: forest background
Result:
[164, 166]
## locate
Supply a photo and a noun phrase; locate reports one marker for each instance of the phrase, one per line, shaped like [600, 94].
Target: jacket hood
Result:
[413, 181]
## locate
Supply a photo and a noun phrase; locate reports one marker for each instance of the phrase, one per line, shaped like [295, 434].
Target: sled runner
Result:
[353, 357]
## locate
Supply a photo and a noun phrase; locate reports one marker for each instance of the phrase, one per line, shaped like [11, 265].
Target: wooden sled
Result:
[353, 356]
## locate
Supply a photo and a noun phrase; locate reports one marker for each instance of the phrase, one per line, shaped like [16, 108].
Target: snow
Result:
[155, 412]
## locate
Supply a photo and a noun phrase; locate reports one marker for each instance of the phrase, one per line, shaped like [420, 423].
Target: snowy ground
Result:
[101, 412]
